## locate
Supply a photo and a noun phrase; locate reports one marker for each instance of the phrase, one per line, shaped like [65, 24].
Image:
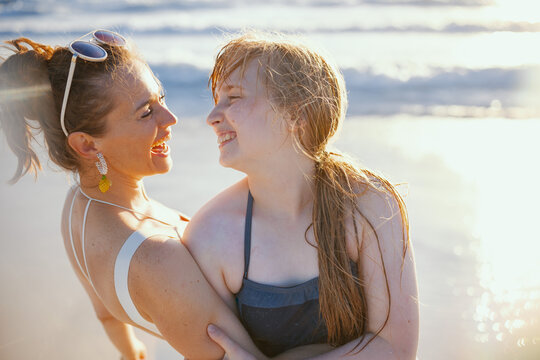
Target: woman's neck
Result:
[124, 191]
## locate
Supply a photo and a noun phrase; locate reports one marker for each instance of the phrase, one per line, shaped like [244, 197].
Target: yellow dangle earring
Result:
[104, 183]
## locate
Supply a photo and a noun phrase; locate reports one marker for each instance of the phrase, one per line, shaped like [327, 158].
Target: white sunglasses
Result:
[89, 51]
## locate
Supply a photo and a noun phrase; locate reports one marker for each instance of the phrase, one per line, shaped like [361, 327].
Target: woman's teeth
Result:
[158, 143]
[160, 147]
[161, 141]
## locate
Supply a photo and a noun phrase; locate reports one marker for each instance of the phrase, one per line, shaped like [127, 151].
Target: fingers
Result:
[220, 338]
[233, 351]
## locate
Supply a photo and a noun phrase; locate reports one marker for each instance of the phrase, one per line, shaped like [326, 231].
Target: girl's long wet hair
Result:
[302, 84]
[32, 84]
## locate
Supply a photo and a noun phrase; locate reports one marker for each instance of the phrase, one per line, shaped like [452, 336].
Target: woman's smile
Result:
[161, 148]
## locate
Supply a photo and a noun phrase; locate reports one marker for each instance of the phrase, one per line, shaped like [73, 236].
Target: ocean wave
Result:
[48, 29]
[450, 28]
[24, 7]
[465, 91]
[430, 3]
[450, 92]
[181, 74]
[62, 17]
[42, 7]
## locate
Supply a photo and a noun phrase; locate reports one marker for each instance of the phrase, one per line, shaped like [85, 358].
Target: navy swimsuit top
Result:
[279, 318]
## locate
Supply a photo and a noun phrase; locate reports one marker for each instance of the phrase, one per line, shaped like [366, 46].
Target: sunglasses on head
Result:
[89, 51]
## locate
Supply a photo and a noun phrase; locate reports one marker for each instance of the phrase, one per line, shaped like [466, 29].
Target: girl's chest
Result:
[282, 255]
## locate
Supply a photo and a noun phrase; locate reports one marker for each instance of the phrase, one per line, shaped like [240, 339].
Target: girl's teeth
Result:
[226, 137]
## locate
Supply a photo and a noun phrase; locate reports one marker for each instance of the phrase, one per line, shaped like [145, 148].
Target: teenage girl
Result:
[308, 247]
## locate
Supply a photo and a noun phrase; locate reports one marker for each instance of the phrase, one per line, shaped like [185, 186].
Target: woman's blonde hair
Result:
[32, 84]
[302, 84]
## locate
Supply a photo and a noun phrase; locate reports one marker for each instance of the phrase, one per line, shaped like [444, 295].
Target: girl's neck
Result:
[284, 189]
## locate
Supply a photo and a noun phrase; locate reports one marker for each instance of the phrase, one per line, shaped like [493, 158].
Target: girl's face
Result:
[134, 144]
[249, 130]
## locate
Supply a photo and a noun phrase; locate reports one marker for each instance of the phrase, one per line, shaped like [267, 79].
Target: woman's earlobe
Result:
[83, 144]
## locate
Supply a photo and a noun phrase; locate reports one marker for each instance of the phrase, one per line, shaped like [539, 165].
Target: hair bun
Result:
[27, 97]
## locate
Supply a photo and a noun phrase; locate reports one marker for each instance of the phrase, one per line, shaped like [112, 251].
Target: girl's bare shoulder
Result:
[224, 213]
[379, 215]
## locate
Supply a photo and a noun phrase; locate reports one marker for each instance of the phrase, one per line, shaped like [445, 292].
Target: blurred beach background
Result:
[444, 99]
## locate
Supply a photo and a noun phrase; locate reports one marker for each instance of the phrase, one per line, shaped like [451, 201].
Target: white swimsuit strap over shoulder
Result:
[71, 233]
[121, 272]
[87, 273]
[123, 260]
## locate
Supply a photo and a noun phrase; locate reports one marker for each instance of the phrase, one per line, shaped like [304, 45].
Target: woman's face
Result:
[136, 130]
[248, 128]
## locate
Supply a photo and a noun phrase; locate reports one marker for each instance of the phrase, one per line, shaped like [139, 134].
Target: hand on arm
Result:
[234, 351]
[378, 349]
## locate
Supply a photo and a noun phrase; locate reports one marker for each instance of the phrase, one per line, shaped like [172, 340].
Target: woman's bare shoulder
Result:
[94, 233]
[105, 220]
[67, 204]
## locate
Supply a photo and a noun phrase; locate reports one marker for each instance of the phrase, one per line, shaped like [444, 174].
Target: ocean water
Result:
[443, 99]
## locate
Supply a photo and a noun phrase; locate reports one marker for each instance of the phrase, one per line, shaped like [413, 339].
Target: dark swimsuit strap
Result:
[247, 239]
[247, 234]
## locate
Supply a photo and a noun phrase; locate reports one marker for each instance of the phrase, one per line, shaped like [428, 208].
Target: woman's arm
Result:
[122, 336]
[120, 333]
[168, 287]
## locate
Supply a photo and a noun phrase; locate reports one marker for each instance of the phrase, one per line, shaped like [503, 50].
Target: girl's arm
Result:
[389, 279]
[236, 352]
[380, 252]
[390, 285]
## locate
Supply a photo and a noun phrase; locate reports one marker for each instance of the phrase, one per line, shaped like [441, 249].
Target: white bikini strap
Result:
[87, 273]
[122, 207]
[123, 260]
[121, 272]
[88, 277]
[180, 228]
[71, 233]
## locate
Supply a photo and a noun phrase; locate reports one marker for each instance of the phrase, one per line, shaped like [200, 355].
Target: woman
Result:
[104, 119]
[308, 247]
